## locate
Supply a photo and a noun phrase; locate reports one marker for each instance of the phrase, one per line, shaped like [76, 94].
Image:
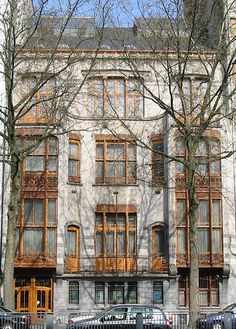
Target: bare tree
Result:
[38, 63]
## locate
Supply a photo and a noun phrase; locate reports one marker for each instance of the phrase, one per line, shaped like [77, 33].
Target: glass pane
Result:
[131, 152]
[28, 211]
[120, 169]
[202, 148]
[52, 211]
[99, 292]
[99, 151]
[73, 168]
[216, 212]
[203, 240]
[53, 145]
[99, 244]
[73, 150]
[110, 243]
[215, 147]
[120, 219]
[39, 211]
[121, 244]
[40, 149]
[179, 166]
[99, 169]
[132, 220]
[181, 237]
[180, 146]
[215, 167]
[110, 169]
[159, 241]
[132, 292]
[158, 292]
[217, 240]
[111, 219]
[132, 249]
[204, 212]
[52, 163]
[35, 163]
[181, 212]
[51, 240]
[99, 220]
[71, 242]
[33, 241]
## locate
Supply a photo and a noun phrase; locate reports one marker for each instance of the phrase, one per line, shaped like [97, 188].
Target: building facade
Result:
[104, 215]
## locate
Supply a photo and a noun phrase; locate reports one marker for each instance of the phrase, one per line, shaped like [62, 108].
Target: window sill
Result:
[74, 183]
[107, 184]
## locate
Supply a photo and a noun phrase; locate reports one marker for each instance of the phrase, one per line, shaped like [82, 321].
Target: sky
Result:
[118, 12]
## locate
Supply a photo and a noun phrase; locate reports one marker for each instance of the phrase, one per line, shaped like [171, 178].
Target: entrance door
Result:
[33, 294]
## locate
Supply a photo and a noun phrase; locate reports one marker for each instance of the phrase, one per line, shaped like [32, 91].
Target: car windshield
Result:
[229, 308]
[7, 310]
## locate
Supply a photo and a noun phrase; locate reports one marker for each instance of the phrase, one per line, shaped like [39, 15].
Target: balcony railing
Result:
[206, 259]
[130, 264]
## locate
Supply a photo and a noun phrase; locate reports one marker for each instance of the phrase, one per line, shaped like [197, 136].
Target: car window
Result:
[1, 311]
[233, 310]
[115, 314]
[147, 312]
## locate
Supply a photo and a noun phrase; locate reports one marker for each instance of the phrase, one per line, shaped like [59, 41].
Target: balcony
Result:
[35, 260]
[126, 264]
[34, 181]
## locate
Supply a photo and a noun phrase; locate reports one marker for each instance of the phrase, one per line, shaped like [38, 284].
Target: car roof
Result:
[136, 305]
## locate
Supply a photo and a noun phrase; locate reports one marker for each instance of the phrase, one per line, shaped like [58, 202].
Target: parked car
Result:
[216, 320]
[123, 316]
[13, 320]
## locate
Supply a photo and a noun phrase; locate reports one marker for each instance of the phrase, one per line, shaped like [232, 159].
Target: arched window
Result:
[72, 249]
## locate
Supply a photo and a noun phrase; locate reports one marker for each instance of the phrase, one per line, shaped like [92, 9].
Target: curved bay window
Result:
[115, 240]
[72, 248]
[210, 235]
[159, 248]
[37, 230]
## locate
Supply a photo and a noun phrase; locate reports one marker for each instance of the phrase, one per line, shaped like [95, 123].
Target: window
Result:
[207, 157]
[72, 249]
[210, 239]
[115, 162]
[158, 292]
[38, 227]
[157, 160]
[44, 157]
[116, 293]
[115, 97]
[159, 241]
[74, 159]
[132, 293]
[100, 292]
[208, 290]
[38, 94]
[193, 96]
[115, 234]
[73, 292]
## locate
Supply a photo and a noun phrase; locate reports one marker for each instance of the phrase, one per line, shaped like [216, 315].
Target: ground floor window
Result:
[73, 292]
[116, 292]
[208, 290]
[158, 292]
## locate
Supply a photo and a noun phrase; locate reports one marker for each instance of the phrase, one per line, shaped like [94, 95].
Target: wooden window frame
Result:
[162, 229]
[183, 288]
[72, 259]
[44, 91]
[127, 161]
[74, 139]
[135, 95]
[45, 226]
[157, 160]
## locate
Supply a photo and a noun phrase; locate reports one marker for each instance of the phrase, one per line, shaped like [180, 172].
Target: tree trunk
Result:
[12, 219]
[193, 240]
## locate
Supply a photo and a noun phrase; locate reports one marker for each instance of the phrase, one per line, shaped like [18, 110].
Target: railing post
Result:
[228, 320]
[139, 321]
[49, 321]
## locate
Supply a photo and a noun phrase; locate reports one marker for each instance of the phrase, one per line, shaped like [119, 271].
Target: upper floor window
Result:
[210, 239]
[72, 248]
[192, 95]
[159, 241]
[74, 159]
[115, 162]
[38, 95]
[115, 234]
[44, 157]
[37, 229]
[115, 97]
[157, 160]
[207, 157]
